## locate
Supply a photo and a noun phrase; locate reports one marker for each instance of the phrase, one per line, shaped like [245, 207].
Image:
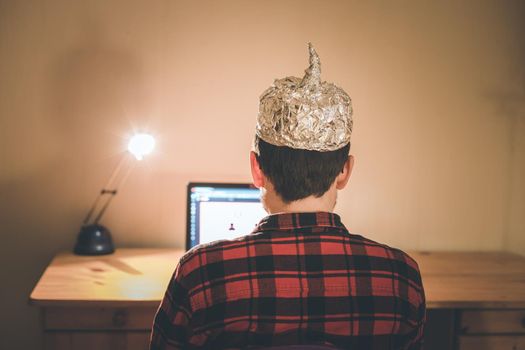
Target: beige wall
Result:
[514, 233]
[438, 90]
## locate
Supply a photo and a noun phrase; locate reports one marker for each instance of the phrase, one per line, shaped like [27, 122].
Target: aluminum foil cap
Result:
[305, 113]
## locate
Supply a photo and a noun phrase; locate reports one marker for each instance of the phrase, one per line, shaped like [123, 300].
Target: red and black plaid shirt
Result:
[297, 279]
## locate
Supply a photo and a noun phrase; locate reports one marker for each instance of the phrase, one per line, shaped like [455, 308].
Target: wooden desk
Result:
[108, 302]
[478, 296]
[103, 302]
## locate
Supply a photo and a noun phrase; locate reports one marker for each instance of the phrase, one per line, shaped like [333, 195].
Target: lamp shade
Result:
[141, 145]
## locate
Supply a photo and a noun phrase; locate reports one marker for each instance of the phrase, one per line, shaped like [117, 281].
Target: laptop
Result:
[218, 211]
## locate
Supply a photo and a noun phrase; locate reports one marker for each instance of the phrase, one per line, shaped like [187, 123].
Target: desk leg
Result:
[440, 329]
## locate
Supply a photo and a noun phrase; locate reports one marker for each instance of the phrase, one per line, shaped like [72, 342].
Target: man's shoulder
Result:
[382, 250]
[401, 263]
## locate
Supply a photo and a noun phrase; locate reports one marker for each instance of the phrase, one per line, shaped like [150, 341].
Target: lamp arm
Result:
[112, 194]
[105, 191]
[92, 209]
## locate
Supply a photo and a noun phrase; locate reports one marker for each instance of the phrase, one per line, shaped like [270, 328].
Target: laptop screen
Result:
[221, 211]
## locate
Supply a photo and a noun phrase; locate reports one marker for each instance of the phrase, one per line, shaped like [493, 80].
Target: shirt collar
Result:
[291, 221]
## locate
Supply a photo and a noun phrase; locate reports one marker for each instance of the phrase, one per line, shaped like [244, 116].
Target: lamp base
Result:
[94, 239]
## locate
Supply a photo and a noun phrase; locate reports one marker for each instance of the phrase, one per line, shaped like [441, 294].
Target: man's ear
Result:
[257, 174]
[342, 179]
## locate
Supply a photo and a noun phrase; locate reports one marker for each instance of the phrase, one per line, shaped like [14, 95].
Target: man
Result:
[300, 278]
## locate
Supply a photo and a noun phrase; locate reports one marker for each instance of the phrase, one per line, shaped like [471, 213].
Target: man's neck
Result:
[275, 205]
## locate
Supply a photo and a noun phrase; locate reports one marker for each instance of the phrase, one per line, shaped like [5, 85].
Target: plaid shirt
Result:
[297, 279]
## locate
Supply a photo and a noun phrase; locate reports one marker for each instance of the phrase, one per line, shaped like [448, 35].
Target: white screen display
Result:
[228, 220]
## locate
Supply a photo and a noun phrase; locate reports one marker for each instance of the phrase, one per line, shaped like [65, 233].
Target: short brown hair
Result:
[297, 173]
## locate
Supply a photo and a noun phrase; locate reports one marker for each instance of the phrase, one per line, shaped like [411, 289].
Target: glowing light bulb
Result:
[140, 145]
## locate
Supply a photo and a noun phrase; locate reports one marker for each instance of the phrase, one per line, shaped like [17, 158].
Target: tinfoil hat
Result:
[305, 113]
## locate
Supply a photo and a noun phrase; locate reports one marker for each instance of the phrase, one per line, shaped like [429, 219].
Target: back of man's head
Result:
[297, 173]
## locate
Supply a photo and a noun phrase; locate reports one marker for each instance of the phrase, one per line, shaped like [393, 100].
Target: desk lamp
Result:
[94, 238]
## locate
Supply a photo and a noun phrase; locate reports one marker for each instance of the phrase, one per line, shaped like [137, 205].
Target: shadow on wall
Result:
[94, 91]
[97, 91]
[90, 92]
[509, 102]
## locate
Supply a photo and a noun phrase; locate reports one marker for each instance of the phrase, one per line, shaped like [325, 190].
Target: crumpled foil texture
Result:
[305, 113]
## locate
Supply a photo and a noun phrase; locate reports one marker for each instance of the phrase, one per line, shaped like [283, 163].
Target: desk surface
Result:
[139, 277]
